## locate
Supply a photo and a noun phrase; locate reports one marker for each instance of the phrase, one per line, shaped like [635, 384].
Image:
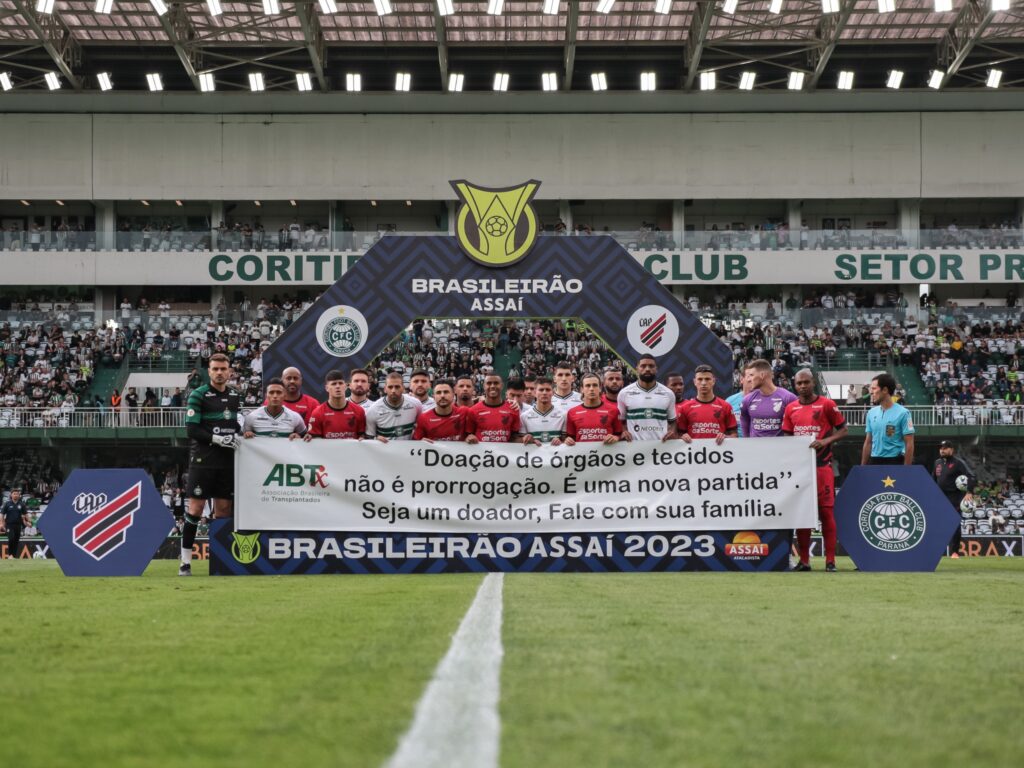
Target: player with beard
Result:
[211, 419]
[294, 399]
[735, 400]
[393, 417]
[676, 383]
[647, 409]
[593, 421]
[565, 397]
[465, 392]
[705, 416]
[542, 422]
[817, 417]
[359, 388]
[493, 419]
[611, 385]
[763, 409]
[445, 421]
[419, 387]
[337, 418]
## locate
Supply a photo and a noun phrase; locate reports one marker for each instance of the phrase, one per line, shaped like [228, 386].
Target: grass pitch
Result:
[786, 669]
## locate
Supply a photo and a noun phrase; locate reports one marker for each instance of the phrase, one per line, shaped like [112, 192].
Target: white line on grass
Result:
[456, 722]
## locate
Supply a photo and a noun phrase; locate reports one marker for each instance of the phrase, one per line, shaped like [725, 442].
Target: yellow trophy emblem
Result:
[504, 225]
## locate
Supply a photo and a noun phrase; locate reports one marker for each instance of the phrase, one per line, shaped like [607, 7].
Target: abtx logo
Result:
[295, 475]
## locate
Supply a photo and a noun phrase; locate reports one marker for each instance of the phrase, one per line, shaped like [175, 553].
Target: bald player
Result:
[294, 399]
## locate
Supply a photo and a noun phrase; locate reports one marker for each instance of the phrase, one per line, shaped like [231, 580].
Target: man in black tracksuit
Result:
[948, 467]
[13, 517]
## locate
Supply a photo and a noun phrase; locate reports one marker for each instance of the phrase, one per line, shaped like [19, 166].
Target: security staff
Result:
[948, 467]
[13, 517]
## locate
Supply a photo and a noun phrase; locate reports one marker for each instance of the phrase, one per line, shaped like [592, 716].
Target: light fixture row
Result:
[497, 7]
[549, 81]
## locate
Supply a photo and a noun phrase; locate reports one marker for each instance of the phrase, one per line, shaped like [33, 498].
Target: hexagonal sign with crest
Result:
[106, 522]
[894, 518]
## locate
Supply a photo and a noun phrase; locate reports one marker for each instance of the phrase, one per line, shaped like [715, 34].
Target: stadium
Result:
[546, 223]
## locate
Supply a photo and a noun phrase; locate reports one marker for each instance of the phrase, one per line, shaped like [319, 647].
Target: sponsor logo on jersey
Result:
[105, 527]
[341, 330]
[892, 522]
[653, 330]
[496, 226]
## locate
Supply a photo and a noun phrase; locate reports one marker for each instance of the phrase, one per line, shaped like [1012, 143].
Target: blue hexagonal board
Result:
[894, 518]
[105, 522]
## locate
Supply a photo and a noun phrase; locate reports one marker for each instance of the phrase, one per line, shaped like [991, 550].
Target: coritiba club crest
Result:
[496, 226]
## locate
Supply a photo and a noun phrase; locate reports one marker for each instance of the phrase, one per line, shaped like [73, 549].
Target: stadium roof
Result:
[184, 41]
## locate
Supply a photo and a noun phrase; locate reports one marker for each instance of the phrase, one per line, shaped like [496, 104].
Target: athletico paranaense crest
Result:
[496, 226]
[105, 527]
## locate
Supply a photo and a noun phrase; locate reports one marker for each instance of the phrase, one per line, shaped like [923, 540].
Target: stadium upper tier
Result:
[768, 236]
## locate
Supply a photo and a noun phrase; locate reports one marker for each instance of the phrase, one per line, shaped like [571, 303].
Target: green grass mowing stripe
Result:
[850, 669]
[260, 671]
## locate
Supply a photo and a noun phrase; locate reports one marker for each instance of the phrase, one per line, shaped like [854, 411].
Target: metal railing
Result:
[90, 418]
[996, 415]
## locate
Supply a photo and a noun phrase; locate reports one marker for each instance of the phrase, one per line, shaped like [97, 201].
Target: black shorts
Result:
[894, 460]
[210, 482]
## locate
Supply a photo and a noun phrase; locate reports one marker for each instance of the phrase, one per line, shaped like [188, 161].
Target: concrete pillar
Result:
[565, 214]
[909, 212]
[1020, 213]
[794, 218]
[679, 223]
[453, 209]
[106, 223]
[216, 217]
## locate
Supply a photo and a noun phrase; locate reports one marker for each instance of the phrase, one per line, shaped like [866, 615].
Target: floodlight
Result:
[549, 81]
[445, 7]
[206, 83]
[52, 81]
[707, 81]
[495, 7]
[500, 81]
[353, 82]
[455, 82]
[303, 81]
[605, 6]
[895, 79]
[747, 81]
[154, 81]
[598, 81]
[104, 80]
[403, 81]
[648, 81]
[995, 76]
[256, 81]
[796, 81]
[845, 80]
[5, 81]
[935, 79]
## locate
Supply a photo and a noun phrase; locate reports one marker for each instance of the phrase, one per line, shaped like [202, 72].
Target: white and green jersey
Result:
[426, 405]
[544, 427]
[385, 420]
[646, 413]
[564, 404]
[263, 424]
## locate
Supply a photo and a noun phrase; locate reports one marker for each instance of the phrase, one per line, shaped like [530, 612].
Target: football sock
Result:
[188, 537]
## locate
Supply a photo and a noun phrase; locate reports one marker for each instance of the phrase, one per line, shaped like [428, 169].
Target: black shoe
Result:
[830, 567]
[801, 567]
[185, 569]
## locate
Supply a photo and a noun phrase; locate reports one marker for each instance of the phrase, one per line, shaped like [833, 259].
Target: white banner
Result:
[346, 485]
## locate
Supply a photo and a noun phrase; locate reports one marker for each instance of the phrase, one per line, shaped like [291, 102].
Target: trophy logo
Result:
[496, 227]
[246, 547]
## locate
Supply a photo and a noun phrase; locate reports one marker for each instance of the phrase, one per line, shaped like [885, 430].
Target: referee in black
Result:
[948, 467]
[13, 517]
